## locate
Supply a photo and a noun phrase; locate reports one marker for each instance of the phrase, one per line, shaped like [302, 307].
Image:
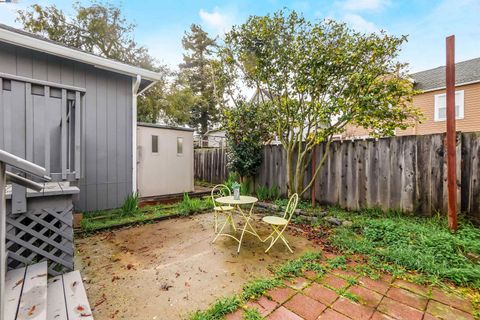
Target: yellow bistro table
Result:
[245, 201]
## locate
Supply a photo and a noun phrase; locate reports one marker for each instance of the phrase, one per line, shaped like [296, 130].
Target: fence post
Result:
[451, 135]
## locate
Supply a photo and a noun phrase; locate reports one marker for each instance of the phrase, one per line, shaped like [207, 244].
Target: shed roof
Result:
[38, 43]
[465, 72]
[162, 126]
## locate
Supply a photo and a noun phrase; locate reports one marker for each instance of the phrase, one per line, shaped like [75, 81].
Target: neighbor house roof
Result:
[466, 72]
[34, 42]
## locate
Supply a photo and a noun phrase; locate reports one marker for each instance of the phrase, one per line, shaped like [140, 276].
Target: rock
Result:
[334, 221]
[307, 218]
[321, 213]
[298, 212]
[267, 206]
[347, 223]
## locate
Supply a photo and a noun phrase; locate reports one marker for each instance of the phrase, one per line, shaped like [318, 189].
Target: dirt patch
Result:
[169, 269]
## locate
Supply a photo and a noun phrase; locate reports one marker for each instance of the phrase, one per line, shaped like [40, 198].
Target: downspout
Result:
[135, 93]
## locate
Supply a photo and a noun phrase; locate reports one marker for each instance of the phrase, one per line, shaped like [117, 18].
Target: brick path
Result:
[310, 298]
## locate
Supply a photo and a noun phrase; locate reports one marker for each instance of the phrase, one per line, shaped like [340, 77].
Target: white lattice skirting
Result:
[41, 235]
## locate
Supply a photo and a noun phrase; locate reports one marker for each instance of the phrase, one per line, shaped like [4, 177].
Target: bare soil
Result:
[169, 269]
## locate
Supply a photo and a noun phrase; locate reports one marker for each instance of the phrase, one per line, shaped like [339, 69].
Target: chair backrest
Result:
[220, 190]
[291, 206]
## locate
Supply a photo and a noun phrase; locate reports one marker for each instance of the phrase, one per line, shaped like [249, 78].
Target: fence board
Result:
[399, 173]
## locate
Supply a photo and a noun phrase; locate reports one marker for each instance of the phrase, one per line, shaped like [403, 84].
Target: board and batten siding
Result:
[106, 175]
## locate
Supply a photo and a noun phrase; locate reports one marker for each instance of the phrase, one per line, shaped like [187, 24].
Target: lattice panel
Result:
[41, 235]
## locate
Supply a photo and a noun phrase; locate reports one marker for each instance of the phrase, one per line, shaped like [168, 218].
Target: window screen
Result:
[179, 145]
[154, 144]
[441, 106]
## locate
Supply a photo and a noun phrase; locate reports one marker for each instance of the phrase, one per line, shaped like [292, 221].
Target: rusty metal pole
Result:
[451, 135]
[314, 165]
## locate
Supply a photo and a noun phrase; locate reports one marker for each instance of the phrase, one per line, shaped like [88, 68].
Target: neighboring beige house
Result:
[165, 159]
[215, 138]
[432, 101]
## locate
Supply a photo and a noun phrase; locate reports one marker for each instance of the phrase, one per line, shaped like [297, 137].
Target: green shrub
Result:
[130, 204]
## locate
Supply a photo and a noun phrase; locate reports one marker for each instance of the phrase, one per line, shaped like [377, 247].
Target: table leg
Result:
[247, 224]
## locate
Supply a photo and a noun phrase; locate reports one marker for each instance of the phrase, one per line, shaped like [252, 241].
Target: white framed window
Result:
[154, 144]
[179, 146]
[441, 106]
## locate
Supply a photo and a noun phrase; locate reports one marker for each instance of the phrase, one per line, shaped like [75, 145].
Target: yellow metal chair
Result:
[222, 190]
[279, 224]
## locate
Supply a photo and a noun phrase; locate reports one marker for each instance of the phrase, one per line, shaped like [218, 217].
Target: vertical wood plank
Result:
[63, 139]
[2, 117]
[77, 134]
[28, 122]
[47, 132]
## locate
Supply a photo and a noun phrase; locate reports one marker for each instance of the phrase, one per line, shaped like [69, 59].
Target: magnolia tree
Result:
[317, 78]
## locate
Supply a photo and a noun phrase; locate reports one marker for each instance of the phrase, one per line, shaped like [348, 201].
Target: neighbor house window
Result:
[179, 145]
[441, 106]
[154, 144]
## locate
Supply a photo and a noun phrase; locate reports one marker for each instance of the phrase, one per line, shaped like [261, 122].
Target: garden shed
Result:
[165, 160]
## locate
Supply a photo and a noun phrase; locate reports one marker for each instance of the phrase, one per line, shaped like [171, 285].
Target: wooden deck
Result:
[30, 295]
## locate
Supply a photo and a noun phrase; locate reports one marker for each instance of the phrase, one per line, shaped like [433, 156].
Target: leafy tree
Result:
[102, 29]
[248, 127]
[198, 71]
[318, 77]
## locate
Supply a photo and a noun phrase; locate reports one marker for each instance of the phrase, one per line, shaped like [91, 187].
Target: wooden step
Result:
[29, 296]
[76, 299]
[33, 301]
[13, 291]
[56, 307]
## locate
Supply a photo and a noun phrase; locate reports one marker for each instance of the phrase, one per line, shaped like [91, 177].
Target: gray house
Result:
[73, 113]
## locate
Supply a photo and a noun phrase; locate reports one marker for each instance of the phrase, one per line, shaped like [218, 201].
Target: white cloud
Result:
[215, 20]
[358, 5]
[358, 23]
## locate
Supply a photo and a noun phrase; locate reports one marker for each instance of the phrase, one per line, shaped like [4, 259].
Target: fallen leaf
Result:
[165, 286]
[32, 310]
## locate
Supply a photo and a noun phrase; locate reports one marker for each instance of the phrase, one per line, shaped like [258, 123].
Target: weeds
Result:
[295, 268]
[218, 310]
[189, 206]
[258, 287]
[130, 204]
[252, 314]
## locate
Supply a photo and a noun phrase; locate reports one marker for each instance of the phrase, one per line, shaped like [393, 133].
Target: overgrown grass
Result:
[98, 220]
[416, 244]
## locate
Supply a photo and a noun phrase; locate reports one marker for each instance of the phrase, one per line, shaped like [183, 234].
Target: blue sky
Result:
[161, 24]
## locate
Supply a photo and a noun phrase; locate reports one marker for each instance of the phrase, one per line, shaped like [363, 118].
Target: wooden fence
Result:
[405, 173]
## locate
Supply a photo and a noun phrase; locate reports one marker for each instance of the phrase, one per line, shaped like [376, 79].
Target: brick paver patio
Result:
[332, 297]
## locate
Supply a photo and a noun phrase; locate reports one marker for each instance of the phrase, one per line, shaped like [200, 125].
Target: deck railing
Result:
[28, 168]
